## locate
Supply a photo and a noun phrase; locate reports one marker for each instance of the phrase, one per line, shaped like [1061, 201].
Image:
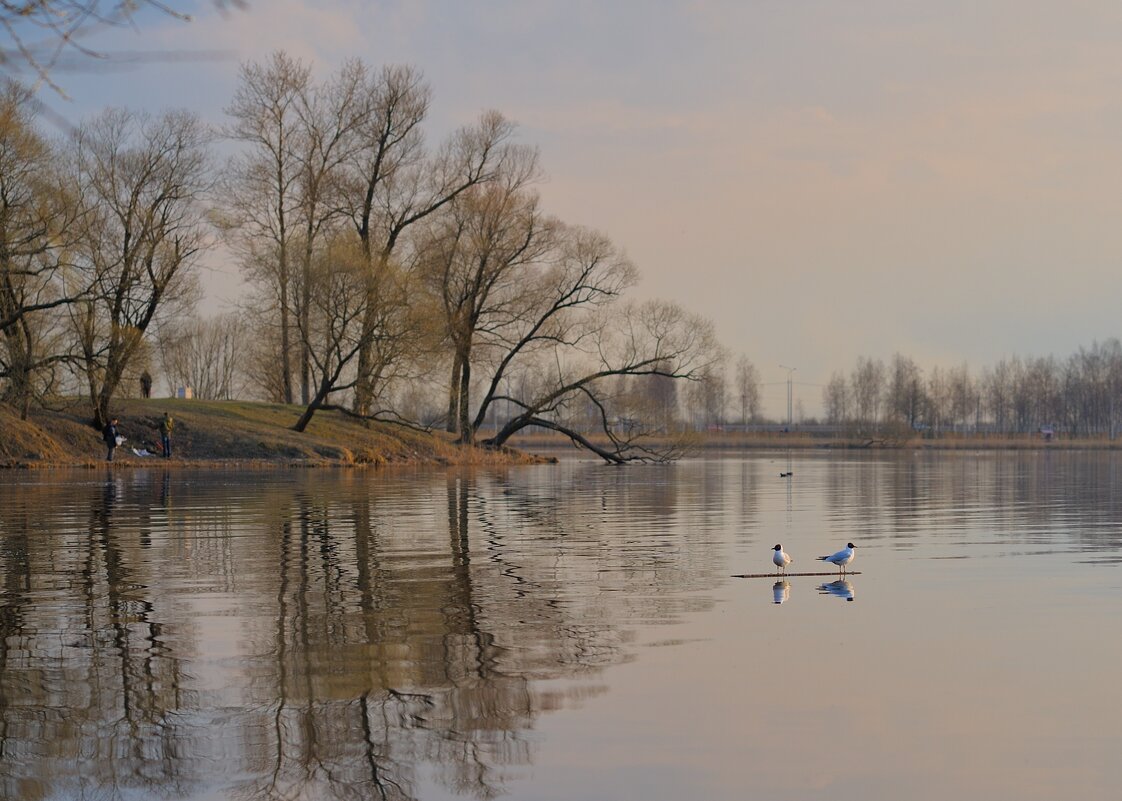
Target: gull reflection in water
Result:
[781, 591]
[842, 588]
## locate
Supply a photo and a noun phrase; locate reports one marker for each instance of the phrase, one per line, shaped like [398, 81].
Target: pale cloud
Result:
[315, 32]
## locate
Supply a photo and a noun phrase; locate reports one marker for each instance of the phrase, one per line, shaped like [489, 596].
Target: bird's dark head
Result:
[778, 548]
[850, 545]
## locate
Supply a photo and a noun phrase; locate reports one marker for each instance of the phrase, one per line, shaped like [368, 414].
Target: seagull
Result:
[841, 558]
[781, 591]
[781, 558]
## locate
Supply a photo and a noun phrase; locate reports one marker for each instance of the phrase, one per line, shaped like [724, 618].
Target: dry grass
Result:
[225, 432]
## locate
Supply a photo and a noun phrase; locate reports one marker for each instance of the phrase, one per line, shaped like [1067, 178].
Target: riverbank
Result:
[225, 433]
[738, 441]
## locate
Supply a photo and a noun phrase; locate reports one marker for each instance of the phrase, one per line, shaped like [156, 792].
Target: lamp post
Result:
[789, 370]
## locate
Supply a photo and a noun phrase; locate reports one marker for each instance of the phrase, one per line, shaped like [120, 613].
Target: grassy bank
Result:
[226, 432]
[235, 432]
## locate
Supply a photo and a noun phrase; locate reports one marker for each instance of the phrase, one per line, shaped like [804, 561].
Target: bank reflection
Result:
[312, 636]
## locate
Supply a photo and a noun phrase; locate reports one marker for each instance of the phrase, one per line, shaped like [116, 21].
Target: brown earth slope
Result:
[224, 432]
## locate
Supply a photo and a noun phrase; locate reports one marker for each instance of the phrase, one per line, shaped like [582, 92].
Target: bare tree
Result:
[400, 337]
[37, 216]
[938, 400]
[261, 192]
[707, 396]
[747, 389]
[333, 334]
[661, 395]
[205, 354]
[1041, 384]
[905, 398]
[964, 396]
[476, 258]
[262, 369]
[552, 306]
[653, 339]
[394, 185]
[837, 400]
[997, 394]
[868, 390]
[385, 172]
[330, 116]
[141, 181]
[556, 323]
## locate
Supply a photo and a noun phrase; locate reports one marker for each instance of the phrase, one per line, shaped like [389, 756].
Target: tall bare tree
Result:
[476, 259]
[867, 383]
[37, 216]
[333, 333]
[386, 170]
[997, 393]
[905, 396]
[394, 184]
[262, 191]
[707, 397]
[837, 399]
[330, 116]
[141, 181]
[747, 389]
[964, 396]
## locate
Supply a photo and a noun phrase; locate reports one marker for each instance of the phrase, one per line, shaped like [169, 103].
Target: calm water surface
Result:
[570, 631]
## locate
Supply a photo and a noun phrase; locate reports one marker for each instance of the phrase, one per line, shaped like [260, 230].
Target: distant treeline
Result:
[1078, 396]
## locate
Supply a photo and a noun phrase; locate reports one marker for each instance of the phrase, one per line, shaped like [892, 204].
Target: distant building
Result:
[184, 393]
[1047, 432]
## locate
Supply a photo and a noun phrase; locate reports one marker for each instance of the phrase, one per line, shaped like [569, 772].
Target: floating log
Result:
[835, 574]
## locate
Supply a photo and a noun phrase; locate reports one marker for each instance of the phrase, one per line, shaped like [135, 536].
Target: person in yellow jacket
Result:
[166, 425]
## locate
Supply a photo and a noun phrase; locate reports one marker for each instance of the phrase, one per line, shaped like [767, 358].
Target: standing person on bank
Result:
[109, 434]
[166, 425]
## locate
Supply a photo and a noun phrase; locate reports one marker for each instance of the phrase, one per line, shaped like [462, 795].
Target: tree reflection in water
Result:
[285, 636]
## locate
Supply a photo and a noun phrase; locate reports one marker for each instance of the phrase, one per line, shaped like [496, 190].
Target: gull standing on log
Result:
[781, 558]
[841, 558]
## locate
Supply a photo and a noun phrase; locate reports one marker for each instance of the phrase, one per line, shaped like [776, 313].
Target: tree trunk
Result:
[286, 334]
[305, 318]
[364, 387]
[313, 406]
[20, 357]
[454, 397]
[467, 430]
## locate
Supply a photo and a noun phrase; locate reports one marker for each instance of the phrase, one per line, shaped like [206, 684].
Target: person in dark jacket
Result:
[109, 434]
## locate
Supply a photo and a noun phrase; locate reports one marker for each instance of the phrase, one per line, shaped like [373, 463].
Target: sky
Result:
[823, 180]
